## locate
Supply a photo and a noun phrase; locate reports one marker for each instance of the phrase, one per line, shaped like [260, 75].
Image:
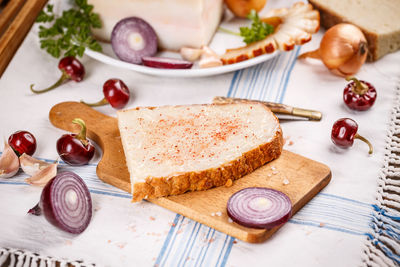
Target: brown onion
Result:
[343, 49]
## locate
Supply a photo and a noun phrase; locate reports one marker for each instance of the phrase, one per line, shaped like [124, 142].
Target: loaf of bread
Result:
[174, 149]
[378, 19]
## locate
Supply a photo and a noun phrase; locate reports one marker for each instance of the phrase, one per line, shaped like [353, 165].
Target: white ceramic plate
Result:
[220, 42]
[184, 73]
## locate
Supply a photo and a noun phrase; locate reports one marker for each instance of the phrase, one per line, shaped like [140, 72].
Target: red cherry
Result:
[344, 131]
[71, 68]
[359, 95]
[22, 142]
[75, 149]
[116, 93]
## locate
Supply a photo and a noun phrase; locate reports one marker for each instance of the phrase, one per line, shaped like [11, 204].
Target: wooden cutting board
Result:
[305, 177]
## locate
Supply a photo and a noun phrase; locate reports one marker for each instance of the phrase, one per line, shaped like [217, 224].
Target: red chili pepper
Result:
[71, 68]
[116, 93]
[344, 131]
[359, 95]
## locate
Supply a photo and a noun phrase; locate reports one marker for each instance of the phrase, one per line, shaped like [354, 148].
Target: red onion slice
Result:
[166, 63]
[259, 207]
[133, 38]
[66, 203]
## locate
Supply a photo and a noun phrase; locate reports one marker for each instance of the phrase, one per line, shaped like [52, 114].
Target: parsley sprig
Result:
[69, 34]
[258, 30]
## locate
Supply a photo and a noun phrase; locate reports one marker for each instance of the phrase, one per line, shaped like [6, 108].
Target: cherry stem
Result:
[371, 149]
[64, 77]
[312, 54]
[97, 104]
[228, 31]
[36, 210]
[81, 136]
[359, 88]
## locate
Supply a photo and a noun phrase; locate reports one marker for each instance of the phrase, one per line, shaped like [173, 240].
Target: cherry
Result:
[75, 149]
[359, 95]
[344, 131]
[116, 93]
[71, 68]
[22, 142]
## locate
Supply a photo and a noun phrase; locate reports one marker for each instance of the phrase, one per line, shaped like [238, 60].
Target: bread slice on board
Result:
[170, 150]
[378, 19]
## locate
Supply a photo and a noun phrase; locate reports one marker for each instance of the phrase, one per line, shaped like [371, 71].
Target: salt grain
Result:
[230, 220]
[275, 172]
[213, 214]
[285, 181]
[218, 213]
[273, 168]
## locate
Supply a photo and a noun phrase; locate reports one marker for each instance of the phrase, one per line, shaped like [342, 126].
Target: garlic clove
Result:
[43, 176]
[210, 62]
[209, 58]
[208, 52]
[191, 54]
[30, 165]
[9, 162]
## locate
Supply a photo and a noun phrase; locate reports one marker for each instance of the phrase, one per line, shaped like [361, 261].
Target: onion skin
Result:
[241, 8]
[343, 49]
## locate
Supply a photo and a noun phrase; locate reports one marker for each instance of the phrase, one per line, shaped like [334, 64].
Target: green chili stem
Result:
[97, 104]
[359, 88]
[371, 149]
[64, 77]
[81, 136]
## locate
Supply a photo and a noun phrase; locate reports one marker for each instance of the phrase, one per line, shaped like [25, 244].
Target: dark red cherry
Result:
[359, 95]
[344, 131]
[71, 68]
[116, 93]
[75, 149]
[22, 142]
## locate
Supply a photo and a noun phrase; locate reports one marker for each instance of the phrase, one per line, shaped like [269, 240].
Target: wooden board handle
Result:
[103, 130]
[62, 114]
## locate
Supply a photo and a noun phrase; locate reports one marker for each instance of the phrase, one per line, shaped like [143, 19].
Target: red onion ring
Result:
[259, 207]
[133, 38]
[66, 203]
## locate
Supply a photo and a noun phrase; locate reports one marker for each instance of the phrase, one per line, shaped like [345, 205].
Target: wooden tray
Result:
[16, 19]
[306, 177]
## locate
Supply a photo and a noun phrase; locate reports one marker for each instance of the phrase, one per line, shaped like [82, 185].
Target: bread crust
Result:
[194, 181]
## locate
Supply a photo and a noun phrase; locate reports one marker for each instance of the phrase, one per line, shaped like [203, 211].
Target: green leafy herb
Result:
[258, 31]
[69, 34]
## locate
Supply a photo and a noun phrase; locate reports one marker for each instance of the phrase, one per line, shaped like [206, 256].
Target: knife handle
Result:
[274, 107]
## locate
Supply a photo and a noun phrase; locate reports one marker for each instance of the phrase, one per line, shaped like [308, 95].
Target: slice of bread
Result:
[378, 19]
[170, 150]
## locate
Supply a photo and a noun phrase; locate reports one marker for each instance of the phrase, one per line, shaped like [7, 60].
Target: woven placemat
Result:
[382, 245]
[10, 257]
